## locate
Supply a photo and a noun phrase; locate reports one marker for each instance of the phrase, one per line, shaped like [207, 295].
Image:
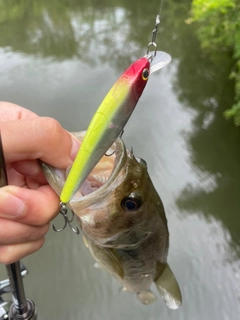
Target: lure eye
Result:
[132, 202]
[145, 74]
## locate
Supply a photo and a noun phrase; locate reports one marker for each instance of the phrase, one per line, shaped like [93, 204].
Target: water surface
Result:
[60, 59]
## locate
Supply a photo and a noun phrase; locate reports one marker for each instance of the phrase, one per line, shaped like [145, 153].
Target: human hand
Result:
[28, 203]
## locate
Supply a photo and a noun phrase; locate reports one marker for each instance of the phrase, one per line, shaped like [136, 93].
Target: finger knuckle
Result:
[52, 128]
[38, 233]
[39, 244]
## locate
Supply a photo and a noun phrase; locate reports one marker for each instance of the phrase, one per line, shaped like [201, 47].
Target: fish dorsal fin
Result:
[168, 287]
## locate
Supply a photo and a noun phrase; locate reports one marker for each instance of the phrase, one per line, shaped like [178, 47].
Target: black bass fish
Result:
[123, 222]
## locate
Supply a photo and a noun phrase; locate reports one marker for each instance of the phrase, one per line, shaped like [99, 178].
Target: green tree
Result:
[219, 29]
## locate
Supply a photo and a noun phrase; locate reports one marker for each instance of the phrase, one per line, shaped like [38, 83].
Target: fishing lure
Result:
[112, 115]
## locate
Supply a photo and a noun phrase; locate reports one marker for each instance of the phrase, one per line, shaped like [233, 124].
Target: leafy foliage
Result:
[219, 29]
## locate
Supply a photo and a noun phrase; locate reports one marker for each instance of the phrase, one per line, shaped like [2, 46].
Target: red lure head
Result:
[137, 74]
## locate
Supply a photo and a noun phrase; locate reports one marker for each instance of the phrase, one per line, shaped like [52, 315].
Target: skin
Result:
[28, 203]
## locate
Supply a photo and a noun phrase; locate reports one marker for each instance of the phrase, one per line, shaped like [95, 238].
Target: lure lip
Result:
[160, 60]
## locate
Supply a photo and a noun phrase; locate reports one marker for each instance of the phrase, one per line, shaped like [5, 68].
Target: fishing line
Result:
[160, 8]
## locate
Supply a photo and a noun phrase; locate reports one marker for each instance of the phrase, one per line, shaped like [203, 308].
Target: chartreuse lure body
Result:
[107, 124]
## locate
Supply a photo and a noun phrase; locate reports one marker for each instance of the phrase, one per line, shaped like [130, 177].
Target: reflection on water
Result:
[59, 59]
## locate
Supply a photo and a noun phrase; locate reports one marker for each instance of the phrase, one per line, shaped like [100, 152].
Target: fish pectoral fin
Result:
[146, 297]
[106, 258]
[113, 263]
[168, 288]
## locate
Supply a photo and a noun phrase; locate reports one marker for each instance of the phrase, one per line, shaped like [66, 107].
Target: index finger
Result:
[38, 138]
[11, 111]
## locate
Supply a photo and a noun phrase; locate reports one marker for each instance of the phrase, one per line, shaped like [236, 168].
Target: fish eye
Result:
[145, 74]
[132, 202]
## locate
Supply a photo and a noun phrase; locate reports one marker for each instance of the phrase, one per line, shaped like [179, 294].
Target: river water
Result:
[59, 59]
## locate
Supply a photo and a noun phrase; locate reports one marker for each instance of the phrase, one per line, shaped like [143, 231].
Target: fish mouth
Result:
[104, 176]
[104, 173]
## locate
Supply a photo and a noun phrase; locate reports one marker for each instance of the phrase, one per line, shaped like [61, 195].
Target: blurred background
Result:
[59, 58]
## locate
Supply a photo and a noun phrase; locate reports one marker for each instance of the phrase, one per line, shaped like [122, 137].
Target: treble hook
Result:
[131, 152]
[109, 155]
[153, 43]
[120, 136]
[63, 211]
